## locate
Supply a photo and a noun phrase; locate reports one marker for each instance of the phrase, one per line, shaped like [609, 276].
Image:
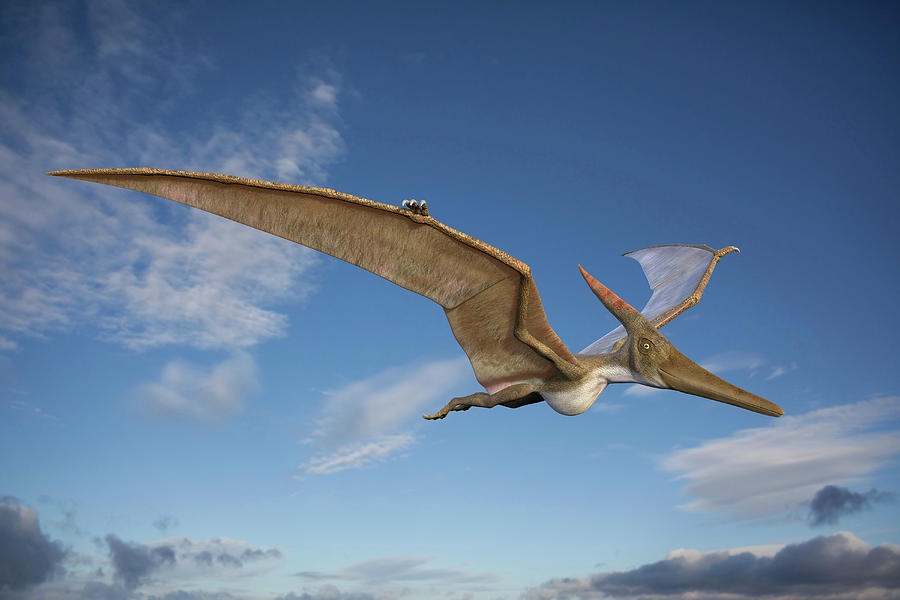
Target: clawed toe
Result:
[416, 207]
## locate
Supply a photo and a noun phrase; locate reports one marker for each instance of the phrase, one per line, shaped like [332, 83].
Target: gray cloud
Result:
[400, 568]
[27, 556]
[833, 502]
[134, 563]
[836, 566]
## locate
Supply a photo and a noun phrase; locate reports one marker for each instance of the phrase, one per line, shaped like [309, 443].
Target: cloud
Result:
[360, 420]
[133, 564]
[165, 523]
[354, 456]
[217, 553]
[777, 468]
[27, 556]
[210, 394]
[400, 568]
[780, 370]
[330, 592]
[75, 254]
[840, 567]
[833, 502]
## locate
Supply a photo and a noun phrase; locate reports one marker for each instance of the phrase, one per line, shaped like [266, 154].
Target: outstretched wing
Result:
[678, 274]
[480, 287]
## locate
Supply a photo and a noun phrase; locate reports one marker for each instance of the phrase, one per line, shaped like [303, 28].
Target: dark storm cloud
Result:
[27, 556]
[135, 562]
[836, 564]
[833, 502]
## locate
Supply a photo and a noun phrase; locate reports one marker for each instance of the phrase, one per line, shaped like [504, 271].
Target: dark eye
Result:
[645, 346]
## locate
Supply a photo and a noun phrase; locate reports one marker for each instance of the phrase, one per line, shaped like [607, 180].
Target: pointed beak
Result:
[682, 374]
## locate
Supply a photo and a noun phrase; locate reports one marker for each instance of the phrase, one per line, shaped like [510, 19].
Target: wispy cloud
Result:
[75, 254]
[360, 421]
[353, 456]
[779, 370]
[839, 566]
[400, 569]
[213, 394]
[774, 469]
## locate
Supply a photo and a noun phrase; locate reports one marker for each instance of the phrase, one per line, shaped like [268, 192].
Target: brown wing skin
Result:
[479, 286]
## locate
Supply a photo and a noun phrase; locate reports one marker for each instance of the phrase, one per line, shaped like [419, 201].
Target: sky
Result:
[194, 410]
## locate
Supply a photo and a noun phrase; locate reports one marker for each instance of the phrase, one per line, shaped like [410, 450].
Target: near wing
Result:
[480, 287]
[678, 274]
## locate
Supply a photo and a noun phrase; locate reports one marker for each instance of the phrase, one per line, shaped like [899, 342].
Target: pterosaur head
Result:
[655, 361]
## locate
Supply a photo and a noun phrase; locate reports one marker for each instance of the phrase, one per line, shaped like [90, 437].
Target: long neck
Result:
[614, 367]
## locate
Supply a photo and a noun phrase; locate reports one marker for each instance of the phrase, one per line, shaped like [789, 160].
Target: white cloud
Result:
[210, 394]
[779, 370]
[360, 421]
[75, 253]
[770, 470]
[354, 456]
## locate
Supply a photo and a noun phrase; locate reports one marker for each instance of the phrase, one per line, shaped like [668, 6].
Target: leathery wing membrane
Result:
[489, 297]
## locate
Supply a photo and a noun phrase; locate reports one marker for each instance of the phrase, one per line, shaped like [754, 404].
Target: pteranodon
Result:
[489, 297]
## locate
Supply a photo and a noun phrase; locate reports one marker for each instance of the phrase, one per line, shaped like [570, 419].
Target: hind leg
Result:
[481, 399]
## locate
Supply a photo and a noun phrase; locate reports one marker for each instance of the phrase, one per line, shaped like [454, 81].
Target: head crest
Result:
[621, 310]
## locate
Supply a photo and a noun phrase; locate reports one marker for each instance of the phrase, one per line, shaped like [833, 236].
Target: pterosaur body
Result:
[489, 297]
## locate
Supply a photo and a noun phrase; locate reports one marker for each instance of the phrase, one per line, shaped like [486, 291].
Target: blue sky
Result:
[194, 410]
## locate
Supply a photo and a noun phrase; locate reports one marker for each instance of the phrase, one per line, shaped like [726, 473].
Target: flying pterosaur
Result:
[489, 297]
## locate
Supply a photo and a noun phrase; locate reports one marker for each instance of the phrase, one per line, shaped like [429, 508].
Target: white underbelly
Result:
[577, 399]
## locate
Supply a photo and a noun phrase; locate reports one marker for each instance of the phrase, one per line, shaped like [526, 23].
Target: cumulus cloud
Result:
[833, 502]
[182, 559]
[27, 556]
[770, 470]
[213, 394]
[401, 568]
[133, 564]
[360, 421]
[74, 253]
[839, 566]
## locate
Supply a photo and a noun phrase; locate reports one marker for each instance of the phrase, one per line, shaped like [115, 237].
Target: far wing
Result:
[479, 287]
[678, 274]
